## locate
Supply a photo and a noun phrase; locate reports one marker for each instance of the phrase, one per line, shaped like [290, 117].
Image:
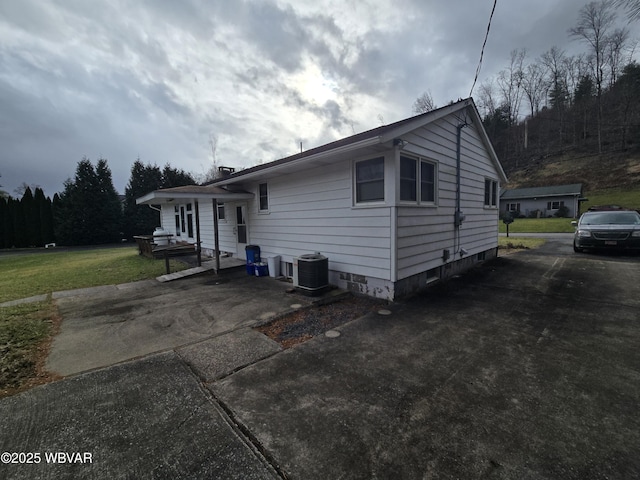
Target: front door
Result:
[241, 229]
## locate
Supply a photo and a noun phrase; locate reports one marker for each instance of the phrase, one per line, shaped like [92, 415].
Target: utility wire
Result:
[483, 45]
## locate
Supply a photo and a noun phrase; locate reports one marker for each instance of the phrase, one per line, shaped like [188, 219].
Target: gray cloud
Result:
[156, 78]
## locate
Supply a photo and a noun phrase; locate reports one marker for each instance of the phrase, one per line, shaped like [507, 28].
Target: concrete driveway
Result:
[524, 368]
[104, 326]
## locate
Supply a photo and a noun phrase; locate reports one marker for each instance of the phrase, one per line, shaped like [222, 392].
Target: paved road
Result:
[524, 368]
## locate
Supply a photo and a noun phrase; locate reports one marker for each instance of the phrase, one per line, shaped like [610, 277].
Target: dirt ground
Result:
[304, 324]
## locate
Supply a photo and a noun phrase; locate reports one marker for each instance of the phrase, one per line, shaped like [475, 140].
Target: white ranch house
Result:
[393, 209]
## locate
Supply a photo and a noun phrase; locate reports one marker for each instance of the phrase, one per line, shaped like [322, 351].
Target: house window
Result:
[370, 180]
[513, 207]
[427, 182]
[189, 221]
[176, 211]
[409, 175]
[555, 205]
[490, 193]
[264, 197]
[220, 207]
[408, 178]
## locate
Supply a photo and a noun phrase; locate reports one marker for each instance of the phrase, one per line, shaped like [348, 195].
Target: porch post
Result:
[198, 249]
[215, 234]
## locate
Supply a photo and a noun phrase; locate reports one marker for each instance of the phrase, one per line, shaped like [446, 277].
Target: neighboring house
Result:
[542, 201]
[393, 209]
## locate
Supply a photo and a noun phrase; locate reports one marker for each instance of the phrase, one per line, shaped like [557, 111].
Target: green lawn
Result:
[518, 243]
[41, 273]
[624, 198]
[538, 225]
[24, 330]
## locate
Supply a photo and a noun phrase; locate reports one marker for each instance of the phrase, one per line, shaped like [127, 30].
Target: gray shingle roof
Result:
[537, 192]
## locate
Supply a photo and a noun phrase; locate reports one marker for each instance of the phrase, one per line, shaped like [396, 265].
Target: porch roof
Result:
[192, 192]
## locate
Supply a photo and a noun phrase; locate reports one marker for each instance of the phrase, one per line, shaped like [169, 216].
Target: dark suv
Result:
[611, 230]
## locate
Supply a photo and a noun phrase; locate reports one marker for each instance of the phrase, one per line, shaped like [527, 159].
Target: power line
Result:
[483, 45]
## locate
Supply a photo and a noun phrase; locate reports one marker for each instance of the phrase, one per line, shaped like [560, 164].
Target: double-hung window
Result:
[417, 180]
[513, 207]
[369, 180]
[264, 197]
[490, 193]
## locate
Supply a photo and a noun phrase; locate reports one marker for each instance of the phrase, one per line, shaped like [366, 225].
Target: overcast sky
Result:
[157, 79]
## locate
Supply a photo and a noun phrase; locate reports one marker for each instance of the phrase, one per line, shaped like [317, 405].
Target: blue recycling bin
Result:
[253, 253]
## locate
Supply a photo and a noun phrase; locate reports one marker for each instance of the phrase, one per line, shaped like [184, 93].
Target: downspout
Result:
[159, 210]
[458, 216]
[215, 234]
[198, 239]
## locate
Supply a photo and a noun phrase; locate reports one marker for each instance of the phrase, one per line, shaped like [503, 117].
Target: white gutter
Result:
[167, 197]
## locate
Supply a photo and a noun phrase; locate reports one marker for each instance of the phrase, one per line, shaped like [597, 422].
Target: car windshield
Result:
[611, 218]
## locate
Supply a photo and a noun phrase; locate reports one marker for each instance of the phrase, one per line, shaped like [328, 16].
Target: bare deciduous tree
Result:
[424, 103]
[487, 98]
[594, 22]
[535, 86]
[631, 6]
[615, 50]
[510, 84]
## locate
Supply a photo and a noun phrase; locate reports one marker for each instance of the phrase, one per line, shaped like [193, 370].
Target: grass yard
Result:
[538, 225]
[41, 273]
[519, 243]
[25, 335]
[624, 198]
[26, 330]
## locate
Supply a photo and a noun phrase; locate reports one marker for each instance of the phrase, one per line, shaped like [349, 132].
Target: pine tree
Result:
[172, 177]
[140, 219]
[4, 215]
[107, 205]
[45, 216]
[88, 210]
[31, 219]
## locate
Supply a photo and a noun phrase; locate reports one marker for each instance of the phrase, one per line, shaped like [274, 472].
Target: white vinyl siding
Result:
[312, 212]
[423, 234]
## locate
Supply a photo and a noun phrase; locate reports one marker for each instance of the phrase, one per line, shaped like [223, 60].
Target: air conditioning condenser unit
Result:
[311, 273]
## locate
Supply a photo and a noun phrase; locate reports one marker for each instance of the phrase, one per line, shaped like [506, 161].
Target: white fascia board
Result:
[318, 156]
[159, 197]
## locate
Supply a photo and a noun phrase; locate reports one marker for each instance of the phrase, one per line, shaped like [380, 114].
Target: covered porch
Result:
[194, 196]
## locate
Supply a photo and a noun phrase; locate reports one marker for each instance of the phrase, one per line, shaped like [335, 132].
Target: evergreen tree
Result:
[31, 220]
[172, 177]
[17, 223]
[45, 216]
[4, 224]
[107, 206]
[88, 210]
[140, 219]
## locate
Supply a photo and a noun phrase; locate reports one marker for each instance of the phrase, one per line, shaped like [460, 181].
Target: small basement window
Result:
[433, 275]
